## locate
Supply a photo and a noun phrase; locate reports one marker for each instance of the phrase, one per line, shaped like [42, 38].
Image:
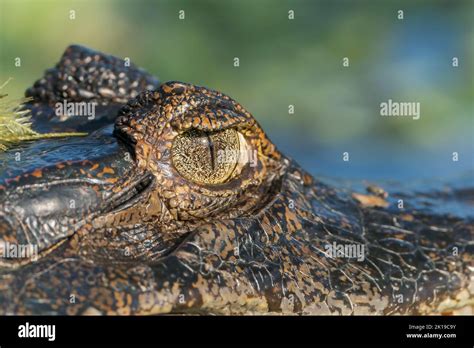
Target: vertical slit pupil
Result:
[211, 149]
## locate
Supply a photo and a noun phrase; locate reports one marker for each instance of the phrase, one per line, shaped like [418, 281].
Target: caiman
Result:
[178, 202]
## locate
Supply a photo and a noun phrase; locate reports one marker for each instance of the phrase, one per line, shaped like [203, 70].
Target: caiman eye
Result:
[208, 158]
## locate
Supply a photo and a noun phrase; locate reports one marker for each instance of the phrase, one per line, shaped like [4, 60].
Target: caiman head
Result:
[199, 158]
[193, 210]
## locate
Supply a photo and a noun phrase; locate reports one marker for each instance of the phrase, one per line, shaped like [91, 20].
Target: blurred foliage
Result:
[15, 125]
[282, 61]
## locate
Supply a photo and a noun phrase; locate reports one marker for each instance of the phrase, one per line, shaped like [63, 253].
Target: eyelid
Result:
[210, 120]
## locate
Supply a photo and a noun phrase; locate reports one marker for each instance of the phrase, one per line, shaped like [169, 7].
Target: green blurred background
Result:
[285, 62]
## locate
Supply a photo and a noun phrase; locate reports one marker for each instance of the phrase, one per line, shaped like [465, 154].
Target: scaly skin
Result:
[255, 244]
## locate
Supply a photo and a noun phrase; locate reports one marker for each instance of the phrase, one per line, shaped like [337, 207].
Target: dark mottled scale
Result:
[397, 245]
[52, 188]
[85, 75]
[340, 281]
[82, 70]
